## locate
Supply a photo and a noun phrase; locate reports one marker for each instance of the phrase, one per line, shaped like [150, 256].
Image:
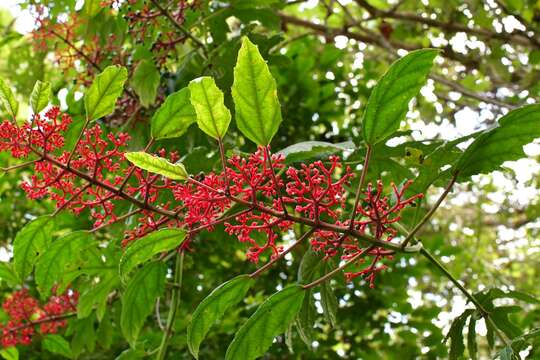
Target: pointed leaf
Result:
[254, 91]
[57, 345]
[139, 298]
[472, 346]
[213, 117]
[41, 95]
[7, 99]
[389, 100]
[502, 143]
[157, 165]
[10, 353]
[174, 116]
[145, 82]
[30, 242]
[212, 308]
[145, 248]
[58, 258]
[272, 318]
[101, 97]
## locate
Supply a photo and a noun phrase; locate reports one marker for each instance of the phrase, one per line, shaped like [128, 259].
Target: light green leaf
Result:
[30, 242]
[10, 353]
[57, 345]
[8, 274]
[145, 248]
[101, 97]
[92, 7]
[313, 149]
[41, 94]
[213, 117]
[389, 100]
[254, 91]
[271, 319]
[174, 116]
[139, 298]
[157, 165]
[502, 143]
[145, 82]
[58, 258]
[213, 307]
[7, 99]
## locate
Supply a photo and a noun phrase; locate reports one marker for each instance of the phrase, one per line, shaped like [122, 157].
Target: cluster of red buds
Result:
[28, 318]
[95, 176]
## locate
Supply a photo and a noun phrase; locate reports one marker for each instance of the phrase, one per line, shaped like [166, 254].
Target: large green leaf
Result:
[272, 318]
[145, 248]
[174, 116]
[101, 97]
[213, 117]
[30, 242]
[389, 100]
[457, 347]
[97, 296]
[41, 94]
[254, 91]
[502, 143]
[157, 165]
[8, 274]
[138, 300]
[213, 307]
[57, 345]
[7, 99]
[145, 82]
[10, 353]
[59, 258]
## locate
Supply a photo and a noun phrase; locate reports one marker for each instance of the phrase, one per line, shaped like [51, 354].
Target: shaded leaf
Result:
[157, 165]
[212, 308]
[29, 244]
[145, 82]
[57, 345]
[389, 100]
[272, 318]
[174, 116]
[472, 346]
[254, 91]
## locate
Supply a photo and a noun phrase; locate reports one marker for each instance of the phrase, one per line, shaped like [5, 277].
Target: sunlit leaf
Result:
[213, 117]
[41, 95]
[174, 116]
[158, 165]
[100, 98]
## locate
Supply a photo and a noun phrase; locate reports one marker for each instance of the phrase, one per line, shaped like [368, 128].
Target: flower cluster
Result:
[269, 197]
[27, 317]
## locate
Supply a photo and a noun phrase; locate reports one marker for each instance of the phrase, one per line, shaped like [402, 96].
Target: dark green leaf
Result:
[457, 348]
[213, 117]
[472, 347]
[97, 296]
[272, 318]
[30, 243]
[174, 116]
[157, 165]
[502, 143]
[145, 82]
[212, 308]
[139, 298]
[41, 95]
[254, 91]
[101, 97]
[145, 248]
[57, 345]
[389, 100]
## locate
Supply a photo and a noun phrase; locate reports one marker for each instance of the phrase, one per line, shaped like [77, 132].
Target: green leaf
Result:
[472, 346]
[41, 94]
[101, 97]
[59, 258]
[10, 353]
[389, 100]
[506, 354]
[502, 143]
[174, 116]
[29, 244]
[213, 117]
[92, 7]
[145, 82]
[313, 149]
[254, 91]
[158, 165]
[457, 348]
[213, 307]
[145, 248]
[139, 298]
[271, 319]
[7, 99]
[57, 345]
[97, 296]
[329, 303]
[8, 274]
